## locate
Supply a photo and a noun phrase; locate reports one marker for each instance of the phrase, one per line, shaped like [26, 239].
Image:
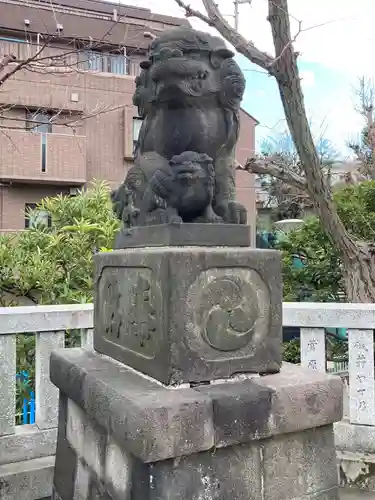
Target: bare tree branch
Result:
[364, 148]
[243, 46]
[60, 56]
[217, 20]
[290, 89]
[269, 166]
[20, 65]
[190, 12]
[6, 60]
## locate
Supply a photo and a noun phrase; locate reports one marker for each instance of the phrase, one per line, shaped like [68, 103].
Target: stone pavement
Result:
[348, 494]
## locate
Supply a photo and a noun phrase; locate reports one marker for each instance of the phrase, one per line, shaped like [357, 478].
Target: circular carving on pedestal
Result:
[230, 316]
[228, 311]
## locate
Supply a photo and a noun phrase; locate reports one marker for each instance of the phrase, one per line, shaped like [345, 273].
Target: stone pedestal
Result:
[183, 397]
[190, 314]
[123, 436]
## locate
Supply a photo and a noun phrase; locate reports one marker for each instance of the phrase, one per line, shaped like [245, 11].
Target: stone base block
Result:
[184, 314]
[300, 466]
[355, 445]
[211, 235]
[122, 435]
[28, 480]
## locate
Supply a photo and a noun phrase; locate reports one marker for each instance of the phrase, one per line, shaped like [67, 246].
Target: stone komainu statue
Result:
[188, 94]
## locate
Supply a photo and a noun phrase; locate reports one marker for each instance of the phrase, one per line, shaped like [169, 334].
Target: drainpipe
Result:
[37, 42]
[1, 205]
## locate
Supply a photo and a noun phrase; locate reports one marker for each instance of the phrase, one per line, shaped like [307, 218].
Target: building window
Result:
[44, 152]
[137, 124]
[104, 62]
[35, 217]
[39, 121]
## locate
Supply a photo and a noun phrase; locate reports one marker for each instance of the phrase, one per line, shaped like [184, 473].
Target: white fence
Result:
[359, 319]
[49, 324]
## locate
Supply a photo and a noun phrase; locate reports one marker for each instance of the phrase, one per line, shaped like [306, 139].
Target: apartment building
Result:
[67, 116]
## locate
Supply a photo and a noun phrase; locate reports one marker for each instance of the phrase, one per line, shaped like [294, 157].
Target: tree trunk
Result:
[357, 257]
[359, 275]
[371, 142]
[358, 262]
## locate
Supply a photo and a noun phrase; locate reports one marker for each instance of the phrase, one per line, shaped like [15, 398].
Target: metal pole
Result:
[236, 11]
[236, 15]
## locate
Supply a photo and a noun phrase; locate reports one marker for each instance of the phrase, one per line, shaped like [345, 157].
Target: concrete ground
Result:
[348, 494]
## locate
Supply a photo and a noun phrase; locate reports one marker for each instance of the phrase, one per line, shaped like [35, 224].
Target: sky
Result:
[336, 48]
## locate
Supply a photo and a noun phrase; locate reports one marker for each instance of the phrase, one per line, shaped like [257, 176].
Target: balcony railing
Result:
[85, 60]
[54, 327]
[42, 158]
[117, 64]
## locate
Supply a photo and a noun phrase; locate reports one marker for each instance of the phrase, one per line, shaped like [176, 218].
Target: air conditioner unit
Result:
[73, 191]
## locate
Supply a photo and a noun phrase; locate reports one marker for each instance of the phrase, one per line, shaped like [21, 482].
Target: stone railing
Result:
[35, 444]
[359, 320]
[27, 451]
[49, 323]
